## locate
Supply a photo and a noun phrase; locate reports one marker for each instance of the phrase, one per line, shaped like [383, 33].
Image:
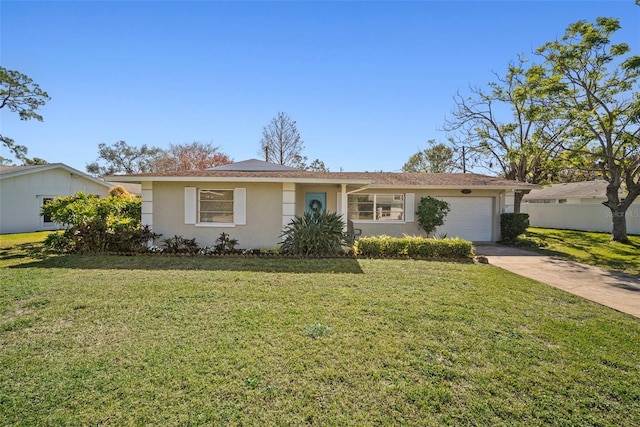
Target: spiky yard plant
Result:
[315, 234]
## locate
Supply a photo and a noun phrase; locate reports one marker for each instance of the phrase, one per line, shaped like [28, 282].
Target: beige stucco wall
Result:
[21, 197]
[263, 206]
[413, 228]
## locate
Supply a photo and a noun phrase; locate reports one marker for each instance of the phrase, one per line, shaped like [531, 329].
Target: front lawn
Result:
[590, 248]
[159, 340]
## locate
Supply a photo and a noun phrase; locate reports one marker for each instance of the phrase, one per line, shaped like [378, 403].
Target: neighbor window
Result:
[46, 218]
[376, 207]
[215, 206]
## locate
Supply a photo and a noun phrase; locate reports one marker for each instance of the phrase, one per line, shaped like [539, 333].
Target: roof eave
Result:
[330, 181]
[51, 166]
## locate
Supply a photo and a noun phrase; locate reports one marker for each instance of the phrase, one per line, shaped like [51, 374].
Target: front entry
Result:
[315, 202]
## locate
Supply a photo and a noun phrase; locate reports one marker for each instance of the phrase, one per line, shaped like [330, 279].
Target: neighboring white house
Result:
[253, 200]
[575, 206]
[24, 189]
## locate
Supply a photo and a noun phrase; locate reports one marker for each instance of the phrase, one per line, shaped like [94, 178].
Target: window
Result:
[376, 207]
[215, 206]
[46, 218]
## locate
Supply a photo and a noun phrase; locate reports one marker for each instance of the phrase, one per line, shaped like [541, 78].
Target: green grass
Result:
[108, 340]
[590, 248]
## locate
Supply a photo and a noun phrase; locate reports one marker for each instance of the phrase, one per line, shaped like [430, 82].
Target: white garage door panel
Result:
[470, 218]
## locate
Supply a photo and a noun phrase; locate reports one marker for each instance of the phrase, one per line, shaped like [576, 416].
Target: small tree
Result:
[281, 142]
[431, 213]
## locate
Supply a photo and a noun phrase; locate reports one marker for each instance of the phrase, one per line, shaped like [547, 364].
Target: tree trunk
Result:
[517, 199]
[619, 229]
[618, 210]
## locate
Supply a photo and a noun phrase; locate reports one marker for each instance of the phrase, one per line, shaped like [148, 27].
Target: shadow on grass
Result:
[591, 248]
[163, 262]
[21, 251]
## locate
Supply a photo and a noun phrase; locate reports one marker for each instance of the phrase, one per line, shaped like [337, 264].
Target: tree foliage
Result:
[436, 159]
[189, 157]
[510, 127]
[431, 213]
[595, 85]
[121, 157]
[315, 166]
[19, 94]
[281, 142]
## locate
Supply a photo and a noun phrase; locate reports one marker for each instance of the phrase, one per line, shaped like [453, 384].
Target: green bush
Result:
[512, 225]
[431, 213]
[413, 246]
[92, 224]
[315, 234]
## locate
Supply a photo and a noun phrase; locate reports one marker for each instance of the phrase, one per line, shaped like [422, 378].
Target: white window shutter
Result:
[240, 206]
[409, 207]
[190, 202]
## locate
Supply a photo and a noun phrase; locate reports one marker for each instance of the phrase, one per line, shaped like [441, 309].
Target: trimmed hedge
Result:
[413, 246]
[512, 225]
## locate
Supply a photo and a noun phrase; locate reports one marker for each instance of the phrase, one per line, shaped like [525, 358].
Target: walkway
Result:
[614, 290]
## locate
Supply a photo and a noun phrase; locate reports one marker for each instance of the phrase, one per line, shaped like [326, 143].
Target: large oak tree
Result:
[596, 87]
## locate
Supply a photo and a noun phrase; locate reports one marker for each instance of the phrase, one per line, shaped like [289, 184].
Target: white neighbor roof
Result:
[13, 171]
[582, 190]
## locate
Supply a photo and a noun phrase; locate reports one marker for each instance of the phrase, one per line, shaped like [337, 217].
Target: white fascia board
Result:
[448, 187]
[238, 179]
[52, 166]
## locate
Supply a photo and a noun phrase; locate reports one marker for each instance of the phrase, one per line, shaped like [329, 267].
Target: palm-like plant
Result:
[315, 234]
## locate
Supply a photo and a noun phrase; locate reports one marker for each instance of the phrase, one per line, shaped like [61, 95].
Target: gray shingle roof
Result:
[374, 179]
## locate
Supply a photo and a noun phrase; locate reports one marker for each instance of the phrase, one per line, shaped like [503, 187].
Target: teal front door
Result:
[315, 202]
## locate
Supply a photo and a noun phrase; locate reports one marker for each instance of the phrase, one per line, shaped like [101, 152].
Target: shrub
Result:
[315, 234]
[224, 245]
[97, 225]
[180, 245]
[120, 191]
[512, 225]
[413, 246]
[431, 213]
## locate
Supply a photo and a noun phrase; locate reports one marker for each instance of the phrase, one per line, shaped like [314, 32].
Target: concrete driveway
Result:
[615, 290]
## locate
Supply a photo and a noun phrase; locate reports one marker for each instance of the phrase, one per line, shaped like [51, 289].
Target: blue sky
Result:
[368, 83]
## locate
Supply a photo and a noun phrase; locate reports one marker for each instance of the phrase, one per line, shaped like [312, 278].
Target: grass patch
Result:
[230, 341]
[590, 248]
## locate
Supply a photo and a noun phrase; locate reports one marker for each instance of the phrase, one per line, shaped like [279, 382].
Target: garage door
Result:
[470, 218]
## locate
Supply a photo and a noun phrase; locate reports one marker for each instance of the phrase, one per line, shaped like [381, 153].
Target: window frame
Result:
[199, 211]
[375, 208]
